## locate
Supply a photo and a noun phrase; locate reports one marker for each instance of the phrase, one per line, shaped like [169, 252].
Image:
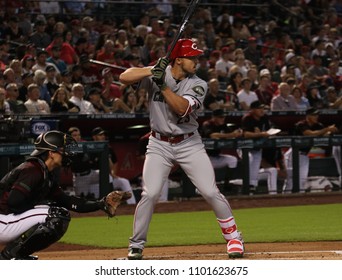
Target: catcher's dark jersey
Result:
[31, 184]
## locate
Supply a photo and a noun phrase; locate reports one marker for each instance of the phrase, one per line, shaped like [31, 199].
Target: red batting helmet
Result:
[185, 48]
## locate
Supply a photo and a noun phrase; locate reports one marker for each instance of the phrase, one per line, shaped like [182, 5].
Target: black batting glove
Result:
[158, 71]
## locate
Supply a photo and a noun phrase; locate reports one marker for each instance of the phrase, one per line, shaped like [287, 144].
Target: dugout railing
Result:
[296, 142]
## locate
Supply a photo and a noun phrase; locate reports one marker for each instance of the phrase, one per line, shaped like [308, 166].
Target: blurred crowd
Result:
[287, 56]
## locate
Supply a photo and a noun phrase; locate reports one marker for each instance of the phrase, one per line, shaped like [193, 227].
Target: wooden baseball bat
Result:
[107, 64]
[188, 13]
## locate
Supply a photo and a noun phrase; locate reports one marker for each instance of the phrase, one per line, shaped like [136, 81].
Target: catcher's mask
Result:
[56, 141]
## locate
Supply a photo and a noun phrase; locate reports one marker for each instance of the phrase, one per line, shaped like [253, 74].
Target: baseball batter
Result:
[175, 94]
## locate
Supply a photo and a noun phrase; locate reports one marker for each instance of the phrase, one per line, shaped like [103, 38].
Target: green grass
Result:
[280, 224]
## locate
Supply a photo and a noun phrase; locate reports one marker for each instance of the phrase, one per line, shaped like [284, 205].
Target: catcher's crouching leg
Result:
[39, 236]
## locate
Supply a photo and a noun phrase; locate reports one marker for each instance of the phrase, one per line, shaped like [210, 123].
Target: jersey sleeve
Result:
[196, 94]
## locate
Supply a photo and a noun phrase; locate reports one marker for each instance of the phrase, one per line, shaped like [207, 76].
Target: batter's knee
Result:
[151, 196]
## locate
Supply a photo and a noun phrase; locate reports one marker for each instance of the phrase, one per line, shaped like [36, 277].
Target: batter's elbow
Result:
[123, 79]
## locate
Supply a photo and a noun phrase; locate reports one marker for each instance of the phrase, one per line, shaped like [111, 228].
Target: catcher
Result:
[33, 208]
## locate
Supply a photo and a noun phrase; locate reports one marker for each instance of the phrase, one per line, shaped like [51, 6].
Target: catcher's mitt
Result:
[112, 200]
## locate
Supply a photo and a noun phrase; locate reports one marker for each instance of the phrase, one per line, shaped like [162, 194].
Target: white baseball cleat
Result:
[235, 249]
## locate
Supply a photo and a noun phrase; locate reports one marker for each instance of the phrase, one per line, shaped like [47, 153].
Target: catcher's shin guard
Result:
[39, 236]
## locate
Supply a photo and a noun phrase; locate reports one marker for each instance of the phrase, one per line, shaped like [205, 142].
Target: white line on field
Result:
[295, 252]
[256, 253]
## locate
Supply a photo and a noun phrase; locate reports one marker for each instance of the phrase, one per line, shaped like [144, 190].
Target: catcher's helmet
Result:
[56, 141]
[185, 48]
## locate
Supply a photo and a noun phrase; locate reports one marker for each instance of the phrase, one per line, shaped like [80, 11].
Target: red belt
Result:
[171, 139]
